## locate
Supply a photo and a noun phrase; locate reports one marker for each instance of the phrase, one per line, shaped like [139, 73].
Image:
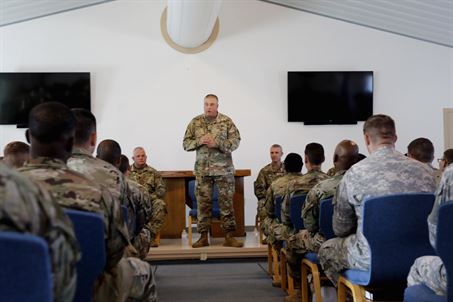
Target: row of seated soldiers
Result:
[384, 172]
[62, 173]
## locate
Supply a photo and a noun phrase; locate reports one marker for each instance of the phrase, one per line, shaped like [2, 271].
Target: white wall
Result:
[145, 93]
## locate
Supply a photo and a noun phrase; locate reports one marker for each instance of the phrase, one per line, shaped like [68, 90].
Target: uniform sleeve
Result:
[116, 231]
[310, 211]
[260, 185]
[231, 142]
[160, 186]
[344, 218]
[269, 203]
[190, 141]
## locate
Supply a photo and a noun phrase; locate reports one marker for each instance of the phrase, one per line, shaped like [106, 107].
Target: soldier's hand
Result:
[210, 141]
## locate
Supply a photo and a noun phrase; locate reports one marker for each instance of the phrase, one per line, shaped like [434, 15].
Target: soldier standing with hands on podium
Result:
[214, 136]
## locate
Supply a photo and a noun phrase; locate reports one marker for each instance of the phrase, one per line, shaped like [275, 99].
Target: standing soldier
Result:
[148, 177]
[26, 208]
[266, 176]
[214, 137]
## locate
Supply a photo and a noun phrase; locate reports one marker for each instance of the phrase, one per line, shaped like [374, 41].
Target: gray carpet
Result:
[216, 282]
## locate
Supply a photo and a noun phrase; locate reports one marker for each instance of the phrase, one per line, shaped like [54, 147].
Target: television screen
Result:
[20, 92]
[330, 97]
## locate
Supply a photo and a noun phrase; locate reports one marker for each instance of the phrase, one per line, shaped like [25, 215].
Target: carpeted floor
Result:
[216, 282]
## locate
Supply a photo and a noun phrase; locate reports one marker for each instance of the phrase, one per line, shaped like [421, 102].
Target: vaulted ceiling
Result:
[430, 21]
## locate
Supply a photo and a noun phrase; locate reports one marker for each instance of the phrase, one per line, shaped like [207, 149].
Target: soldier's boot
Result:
[294, 297]
[202, 241]
[231, 241]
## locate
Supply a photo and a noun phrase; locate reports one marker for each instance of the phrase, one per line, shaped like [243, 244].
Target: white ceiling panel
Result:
[14, 11]
[428, 20]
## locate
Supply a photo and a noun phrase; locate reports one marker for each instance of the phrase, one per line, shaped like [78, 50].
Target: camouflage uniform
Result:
[331, 172]
[265, 177]
[140, 196]
[385, 172]
[277, 188]
[149, 178]
[26, 208]
[281, 231]
[214, 166]
[429, 270]
[123, 277]
[310, 239]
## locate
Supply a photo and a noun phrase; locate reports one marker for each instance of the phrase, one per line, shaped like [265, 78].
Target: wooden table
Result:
[177, 197]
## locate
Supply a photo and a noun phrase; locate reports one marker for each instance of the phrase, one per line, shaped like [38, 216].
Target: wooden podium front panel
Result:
[176, 197]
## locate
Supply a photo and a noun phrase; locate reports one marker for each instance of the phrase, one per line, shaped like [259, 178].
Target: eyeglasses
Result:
[440, 159]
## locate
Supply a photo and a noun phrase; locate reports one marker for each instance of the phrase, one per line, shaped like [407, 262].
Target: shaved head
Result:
[346, 154]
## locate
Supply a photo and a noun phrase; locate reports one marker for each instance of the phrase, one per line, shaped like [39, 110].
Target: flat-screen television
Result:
[21, 91]
[330, 97]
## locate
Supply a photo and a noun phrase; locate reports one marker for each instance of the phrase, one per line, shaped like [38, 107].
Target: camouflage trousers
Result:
[299, 244]
[203, 192]
[130, 280]
[158, 215]
[338, 254]
[431, 272]
[267, 224]
[278, 233]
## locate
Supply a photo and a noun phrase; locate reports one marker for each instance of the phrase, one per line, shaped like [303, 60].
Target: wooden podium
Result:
[177, 197]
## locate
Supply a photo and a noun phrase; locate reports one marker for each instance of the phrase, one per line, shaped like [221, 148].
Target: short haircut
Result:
[86, 125]
[51, 121]
[421, 149]
[379, 126]
[109, 151]
[124, 164]
[315, 153]
[277, 146]
[212, 96]
[448, 156]
[16, 147]
[293, 163]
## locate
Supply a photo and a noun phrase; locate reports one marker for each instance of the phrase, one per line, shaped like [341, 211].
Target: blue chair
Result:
[25, 268]
[272, 255]
[89, 230]
[396, 230]
[297, 202]
[310, 263]
[444, 248]
[193, 213]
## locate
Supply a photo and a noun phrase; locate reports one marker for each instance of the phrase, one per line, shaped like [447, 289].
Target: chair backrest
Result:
[325, 218]
[25, 268]
[397, 232]
[130, 220]
[193, 198]
[89, 230]
[278, 208]
[444, 242]
[295, 212]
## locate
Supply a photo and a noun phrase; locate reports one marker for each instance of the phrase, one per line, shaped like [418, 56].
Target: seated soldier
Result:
[110, 151]
[148, 177]
[446, 160]
[293, 165]
[314, 157]
[422, 149]
[51, 134]
[143, 240]
[386, 171]
[429, 270]
[310, 239]
[16, 154]
[266, 176]
[26, 208]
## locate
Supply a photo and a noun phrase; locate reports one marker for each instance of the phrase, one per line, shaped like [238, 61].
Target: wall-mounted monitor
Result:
[330, 97]
[21, 91]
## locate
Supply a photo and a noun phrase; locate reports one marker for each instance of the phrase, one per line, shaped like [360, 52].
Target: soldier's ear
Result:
[27, 135]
